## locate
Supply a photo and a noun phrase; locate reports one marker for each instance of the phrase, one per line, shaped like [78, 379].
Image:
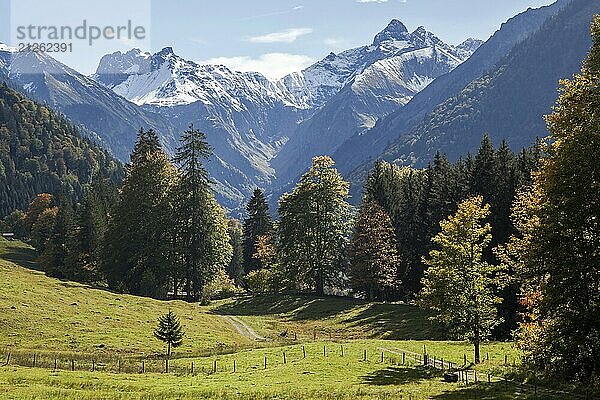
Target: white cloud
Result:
[287, 36]
[271, 65]
[271, 14]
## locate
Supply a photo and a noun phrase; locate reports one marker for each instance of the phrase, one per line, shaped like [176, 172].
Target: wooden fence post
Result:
[382, 357]
[143, 367]
[324, 351]
[464, 359]
[342, 349]
[214, 366]
[192, 368]
[8, 358]
[303, 352]
[93, 365]
[284, 360]
[505, 359]
[234, 365]
[403, 358]
[365, 355]
[265, 362]
[55, 362]
[72, 365]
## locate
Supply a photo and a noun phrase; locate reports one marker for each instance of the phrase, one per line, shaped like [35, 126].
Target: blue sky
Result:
[271, 36]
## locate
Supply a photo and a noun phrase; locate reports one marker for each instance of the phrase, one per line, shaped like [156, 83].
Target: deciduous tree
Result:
[373, 256]
[459, 287]
[313, 229]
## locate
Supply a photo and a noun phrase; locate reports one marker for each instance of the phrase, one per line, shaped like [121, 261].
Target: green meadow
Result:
[314, 348]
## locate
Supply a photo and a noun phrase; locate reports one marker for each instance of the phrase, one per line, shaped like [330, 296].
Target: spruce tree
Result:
[373, 255]
[235, 269]
[136, 256]
[200, 223]
[401, 192]
[506, 184]
[483, 169]
[257, 223]
[60, 256]
[93, 219]
[313, 228]
[169, 331]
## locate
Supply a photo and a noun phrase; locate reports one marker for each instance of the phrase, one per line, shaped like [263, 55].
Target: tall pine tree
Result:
[201, 226]
[136, 256]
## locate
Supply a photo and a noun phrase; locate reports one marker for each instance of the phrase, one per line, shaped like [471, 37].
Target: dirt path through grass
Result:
[243, 328]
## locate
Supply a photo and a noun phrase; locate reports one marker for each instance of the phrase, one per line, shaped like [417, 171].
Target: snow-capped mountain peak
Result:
[395, 30]
[272, 128]
[313, 86]
[166, 79]
[469, 47]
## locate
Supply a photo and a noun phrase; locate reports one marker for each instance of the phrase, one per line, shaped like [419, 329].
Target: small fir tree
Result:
[169, 331]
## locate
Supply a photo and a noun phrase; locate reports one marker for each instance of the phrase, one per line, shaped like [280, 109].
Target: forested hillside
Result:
[510, 101]
[42, 152]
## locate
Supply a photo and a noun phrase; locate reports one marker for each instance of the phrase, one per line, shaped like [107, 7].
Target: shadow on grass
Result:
[399, 376]
[498, 391]
[376, 320]
[298, 307]
[396, 322]
[23, 256]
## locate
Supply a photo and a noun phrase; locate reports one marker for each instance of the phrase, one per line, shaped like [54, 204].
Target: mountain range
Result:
[403, 96]
[265, 132]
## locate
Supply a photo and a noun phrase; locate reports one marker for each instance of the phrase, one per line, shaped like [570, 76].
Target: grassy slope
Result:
[51, 317]
[37, 312]
[330, 317]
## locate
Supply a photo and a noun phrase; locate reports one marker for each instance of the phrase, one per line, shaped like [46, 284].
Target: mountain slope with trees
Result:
[510, 101]
[41, 151]
[399, 123]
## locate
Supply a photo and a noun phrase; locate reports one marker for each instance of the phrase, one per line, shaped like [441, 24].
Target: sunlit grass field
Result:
[104, 333]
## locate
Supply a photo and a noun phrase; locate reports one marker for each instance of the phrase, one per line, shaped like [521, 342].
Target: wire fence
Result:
[225, 361]
[185, 366]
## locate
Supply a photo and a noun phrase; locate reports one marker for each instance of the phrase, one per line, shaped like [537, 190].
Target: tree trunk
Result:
[476, 341]
[188, 290]
[320, 284]
[168, 349]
